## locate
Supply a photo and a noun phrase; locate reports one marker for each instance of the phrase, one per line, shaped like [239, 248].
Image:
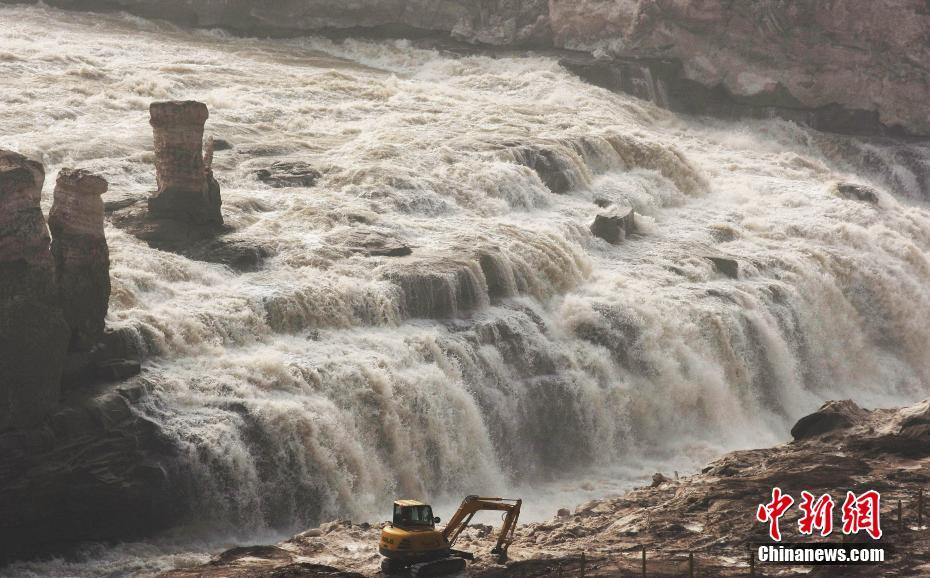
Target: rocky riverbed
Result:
[711, 514]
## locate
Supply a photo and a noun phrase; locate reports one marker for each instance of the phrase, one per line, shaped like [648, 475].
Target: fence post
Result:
[582, 564]
[900, 518]
[690, 564]
[752, 562]
[644, 561]
[560, 570]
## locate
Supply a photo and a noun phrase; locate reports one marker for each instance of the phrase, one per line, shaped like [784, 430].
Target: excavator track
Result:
[440, 567]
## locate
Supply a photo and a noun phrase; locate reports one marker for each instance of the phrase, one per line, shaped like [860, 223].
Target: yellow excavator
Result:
[411, 540]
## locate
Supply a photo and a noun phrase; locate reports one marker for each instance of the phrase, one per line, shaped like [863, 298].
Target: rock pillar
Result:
[186, 188]
[82, 259]
[33, 332]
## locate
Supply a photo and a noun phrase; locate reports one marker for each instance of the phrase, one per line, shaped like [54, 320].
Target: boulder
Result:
[288, 174]
[614, 225]
[724, 265]
[831, 417]
[658, 479]
[238, 254]
[855, 192]
[33, 333]
[371, 242]
[187, 190]
[82, 258]
[220, 144]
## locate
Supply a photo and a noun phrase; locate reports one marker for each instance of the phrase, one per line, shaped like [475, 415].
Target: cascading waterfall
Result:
[511, 347]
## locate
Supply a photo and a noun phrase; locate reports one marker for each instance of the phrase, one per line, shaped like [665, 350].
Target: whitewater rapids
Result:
[512, 352]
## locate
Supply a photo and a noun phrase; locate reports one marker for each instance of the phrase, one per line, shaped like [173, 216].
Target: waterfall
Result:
[511, 348]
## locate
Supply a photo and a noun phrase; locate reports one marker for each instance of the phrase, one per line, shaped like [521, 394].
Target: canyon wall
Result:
[839, 65]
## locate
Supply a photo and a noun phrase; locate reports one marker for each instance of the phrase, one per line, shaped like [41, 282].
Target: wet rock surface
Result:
[184, 214]
[238, 254]
[614, 225]
[288, 174]
[97, 470]
[370, 241]
[833, 416]
[711, 514]
[856, 192]
[558, 168]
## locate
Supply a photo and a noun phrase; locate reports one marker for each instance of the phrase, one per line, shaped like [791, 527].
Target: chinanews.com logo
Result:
[860, 514]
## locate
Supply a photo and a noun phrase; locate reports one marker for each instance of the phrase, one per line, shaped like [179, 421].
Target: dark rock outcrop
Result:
[855, 192]
[116, 356]
[370, 241]
[614, 225]
[238, 254]
[288, 174]
[33, 333]
[97, 471]
[82, 258]
[722, 264]
[219, 144]
[187, 190]
[834, 415]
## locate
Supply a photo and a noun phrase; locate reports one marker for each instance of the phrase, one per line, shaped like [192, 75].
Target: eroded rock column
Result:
[82, 258]
[33, 331]
[186, 188]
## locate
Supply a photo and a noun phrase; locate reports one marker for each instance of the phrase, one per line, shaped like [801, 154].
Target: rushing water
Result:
[512, 351]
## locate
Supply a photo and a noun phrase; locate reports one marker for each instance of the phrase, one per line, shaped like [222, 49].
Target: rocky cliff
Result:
[74, 464]
[33, 332]
[95, 470]
[54, 291]
[840, 65]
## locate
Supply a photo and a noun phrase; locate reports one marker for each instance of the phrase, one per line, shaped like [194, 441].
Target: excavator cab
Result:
[411, 541]
[411, 514]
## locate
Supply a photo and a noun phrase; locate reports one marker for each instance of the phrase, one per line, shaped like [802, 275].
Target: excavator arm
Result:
[473, 504]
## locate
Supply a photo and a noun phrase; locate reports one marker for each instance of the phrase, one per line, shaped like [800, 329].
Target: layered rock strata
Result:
[82, 258]
[33, 332]
[187, 190]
